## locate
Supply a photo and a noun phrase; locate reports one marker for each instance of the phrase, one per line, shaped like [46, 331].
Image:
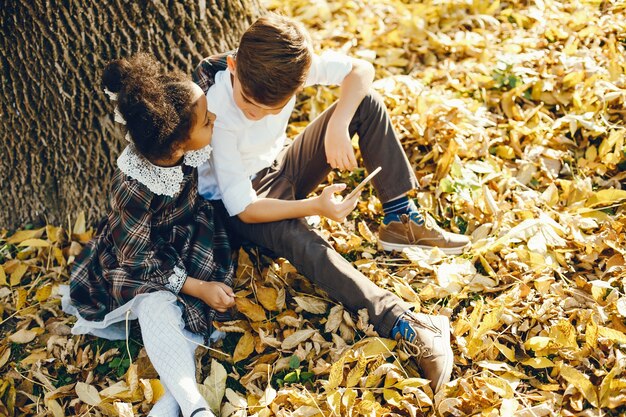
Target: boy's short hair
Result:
[273, 59]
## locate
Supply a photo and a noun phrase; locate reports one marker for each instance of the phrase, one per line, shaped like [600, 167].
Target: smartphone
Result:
[363, 183]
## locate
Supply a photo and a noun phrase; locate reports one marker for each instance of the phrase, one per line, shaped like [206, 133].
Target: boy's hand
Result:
[334, 208]
[218, 296]
[339, 150]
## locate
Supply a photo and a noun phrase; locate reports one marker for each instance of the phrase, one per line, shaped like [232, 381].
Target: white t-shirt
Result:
[243, 147]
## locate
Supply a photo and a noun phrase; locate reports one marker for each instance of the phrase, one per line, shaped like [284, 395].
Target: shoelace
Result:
[409, 341]
[414, 319]
[419, 219]
[417, 349]
[406, 220]
[415, 216]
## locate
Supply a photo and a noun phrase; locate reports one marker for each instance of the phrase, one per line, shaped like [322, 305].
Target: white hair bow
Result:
[117, 116]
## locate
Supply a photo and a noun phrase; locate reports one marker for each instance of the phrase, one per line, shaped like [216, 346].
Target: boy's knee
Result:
[299, 238]
[300, 233]
[373, 102]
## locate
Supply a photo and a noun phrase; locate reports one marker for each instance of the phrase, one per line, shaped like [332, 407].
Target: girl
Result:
[163, 254]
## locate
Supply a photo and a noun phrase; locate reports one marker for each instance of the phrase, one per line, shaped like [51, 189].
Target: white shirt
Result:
[243, 147]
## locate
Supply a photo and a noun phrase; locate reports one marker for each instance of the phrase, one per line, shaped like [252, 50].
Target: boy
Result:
[264, 185]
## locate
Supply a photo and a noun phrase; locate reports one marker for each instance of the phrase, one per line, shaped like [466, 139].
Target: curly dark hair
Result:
[156, 104]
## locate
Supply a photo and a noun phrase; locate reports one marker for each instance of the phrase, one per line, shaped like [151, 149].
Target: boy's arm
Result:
[355, 86]
[263, 210]
[241, 200]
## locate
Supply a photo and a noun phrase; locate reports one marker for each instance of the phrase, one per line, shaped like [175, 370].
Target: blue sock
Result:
[395, 208]
[404, 329]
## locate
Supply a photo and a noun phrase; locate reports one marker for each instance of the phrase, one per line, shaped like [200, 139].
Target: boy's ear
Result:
[232, 64]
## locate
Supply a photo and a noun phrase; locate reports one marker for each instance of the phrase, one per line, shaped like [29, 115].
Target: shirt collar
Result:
[159, 180]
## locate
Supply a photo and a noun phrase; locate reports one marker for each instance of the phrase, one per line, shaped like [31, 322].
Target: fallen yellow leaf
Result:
[250, 309]
[581, 382]
[35, 243]
[613, 335]
[244, 348]
[22, 235]
[16, 276]
[267, 296]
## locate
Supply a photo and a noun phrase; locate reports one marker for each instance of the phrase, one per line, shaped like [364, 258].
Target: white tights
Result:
[172, 354]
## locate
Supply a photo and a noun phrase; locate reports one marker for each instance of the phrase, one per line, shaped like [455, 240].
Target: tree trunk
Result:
[59, 143]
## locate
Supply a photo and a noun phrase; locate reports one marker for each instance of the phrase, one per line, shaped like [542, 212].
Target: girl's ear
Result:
[232, 64]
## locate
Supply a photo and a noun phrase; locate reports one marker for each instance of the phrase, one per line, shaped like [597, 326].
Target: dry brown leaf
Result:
[252, 310]
[214, 385]
[88, 393]
[357, 372]
[35, 243]
[244, 348]
[55, 408]
[311, 304]
[268, 297]
[132, 379]
[5, 354]
[336, 374]
[24, 336]
[296, 338]
[124, 409]
[18, 273]
[335, 318]
[157, 390]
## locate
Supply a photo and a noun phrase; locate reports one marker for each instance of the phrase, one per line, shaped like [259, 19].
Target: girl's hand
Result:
[218, 296]
[332, 206]
[339, 150]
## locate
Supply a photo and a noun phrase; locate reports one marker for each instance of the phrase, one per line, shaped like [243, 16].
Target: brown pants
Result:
[297, 171]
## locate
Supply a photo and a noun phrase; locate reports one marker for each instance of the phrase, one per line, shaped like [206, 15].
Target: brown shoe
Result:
[421, 232]
[430, 348]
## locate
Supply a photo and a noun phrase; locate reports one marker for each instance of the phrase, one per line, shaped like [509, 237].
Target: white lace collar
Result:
[159, 180]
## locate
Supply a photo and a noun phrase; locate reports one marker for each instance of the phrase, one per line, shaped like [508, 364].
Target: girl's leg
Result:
[171, 353]
[165, 407]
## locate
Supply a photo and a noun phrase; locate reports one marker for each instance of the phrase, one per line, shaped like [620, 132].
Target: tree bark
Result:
[59, 143]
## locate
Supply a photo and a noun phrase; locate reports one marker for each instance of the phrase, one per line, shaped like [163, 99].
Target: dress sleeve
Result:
[330, 68]
[139, 250]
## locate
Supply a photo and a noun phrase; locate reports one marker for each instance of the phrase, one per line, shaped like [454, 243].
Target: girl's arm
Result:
[147, 256]
[216, 295]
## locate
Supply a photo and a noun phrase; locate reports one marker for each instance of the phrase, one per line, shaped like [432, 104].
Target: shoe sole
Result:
[390, 247]
[445, 376]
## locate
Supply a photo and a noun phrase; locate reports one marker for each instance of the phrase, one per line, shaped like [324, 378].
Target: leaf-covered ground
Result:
[512, 114]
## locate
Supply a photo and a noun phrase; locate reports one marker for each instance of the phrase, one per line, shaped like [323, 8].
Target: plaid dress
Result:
[152, 242]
